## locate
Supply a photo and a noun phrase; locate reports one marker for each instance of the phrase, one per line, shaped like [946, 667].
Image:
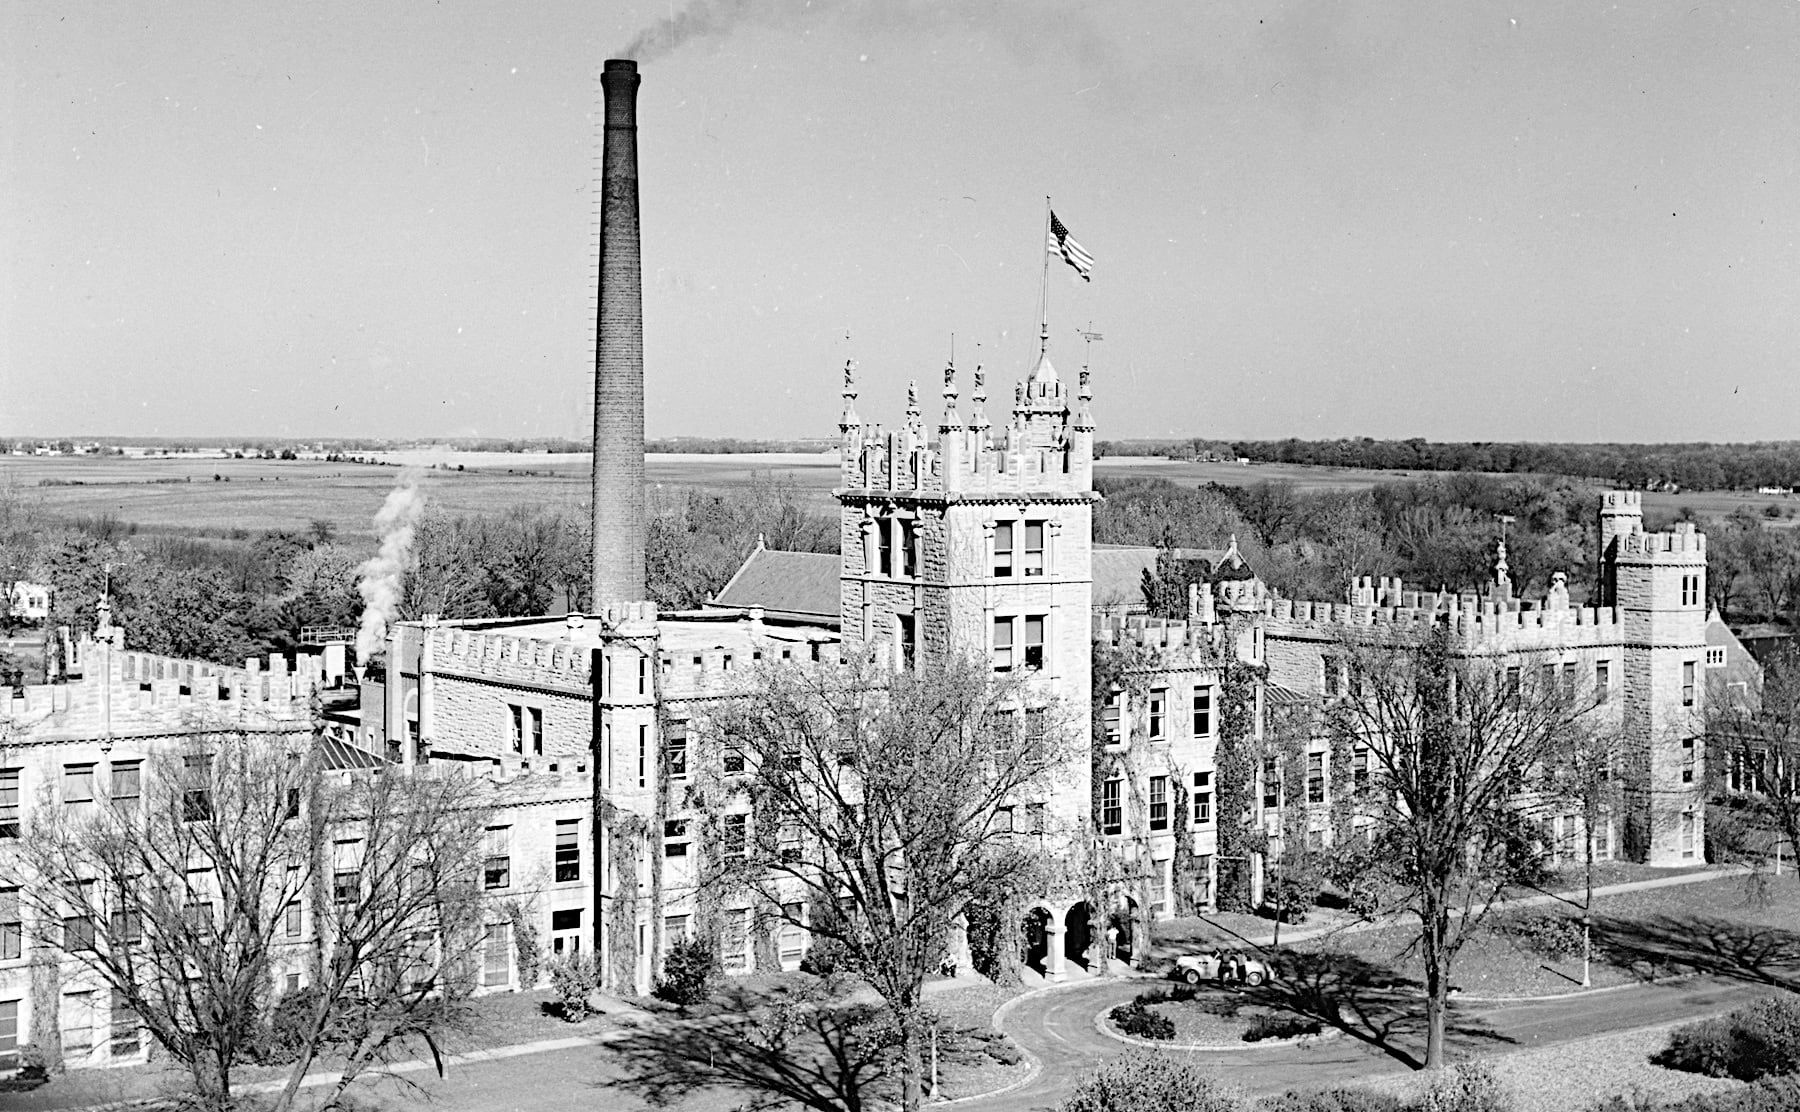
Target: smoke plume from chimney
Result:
[379, 579]
[619, 354]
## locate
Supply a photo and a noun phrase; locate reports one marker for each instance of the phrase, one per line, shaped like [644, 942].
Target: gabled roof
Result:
[1119, 569]
[799, 586]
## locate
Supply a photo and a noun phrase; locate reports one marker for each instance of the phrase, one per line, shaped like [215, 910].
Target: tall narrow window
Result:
[515, 720]
[123, 1039]
[643, 665]
[884, 532]
[1315, 777]
[909, 548]
[1159, 804]
[1110, 717]
[1034, 642]
[1203, 716]
[1602, 680]
[675, 749]
[1003, 644]
[675, 838]
[1003, 548]
[1513, 684]
[196, 789]
[568, 849]
[1687, 683]
[1202, 798]
[1359, 767]
[905, 631]
[12, 924]
[9, 802]
[496, 851]
[735, 953]
[537, 730]
[1159, 703]
[736, 834]
[643, 755]
[1271, 792]
[496, 955]
[1112, 812]
[1034, 548]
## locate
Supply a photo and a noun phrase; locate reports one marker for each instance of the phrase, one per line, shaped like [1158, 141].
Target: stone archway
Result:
[1077, 934]
[1038, 927]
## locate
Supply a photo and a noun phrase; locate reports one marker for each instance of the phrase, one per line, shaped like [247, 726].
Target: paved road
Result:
[1058, 1027]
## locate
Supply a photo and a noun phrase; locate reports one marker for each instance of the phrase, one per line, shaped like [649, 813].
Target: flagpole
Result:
[1044, 285]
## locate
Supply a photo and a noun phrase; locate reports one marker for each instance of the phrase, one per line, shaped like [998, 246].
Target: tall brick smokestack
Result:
[619, 354]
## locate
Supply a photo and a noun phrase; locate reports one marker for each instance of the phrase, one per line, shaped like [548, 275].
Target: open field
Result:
[195, 494]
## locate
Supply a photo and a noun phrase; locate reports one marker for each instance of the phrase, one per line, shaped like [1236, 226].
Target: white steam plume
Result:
[379, 577]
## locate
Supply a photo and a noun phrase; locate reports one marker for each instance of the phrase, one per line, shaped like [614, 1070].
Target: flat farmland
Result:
[211, 496]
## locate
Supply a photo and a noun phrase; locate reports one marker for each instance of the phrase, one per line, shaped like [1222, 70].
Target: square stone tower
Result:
[977, 542]
[1658, 583]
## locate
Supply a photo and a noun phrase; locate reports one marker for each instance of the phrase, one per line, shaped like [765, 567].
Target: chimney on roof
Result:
[619, 354]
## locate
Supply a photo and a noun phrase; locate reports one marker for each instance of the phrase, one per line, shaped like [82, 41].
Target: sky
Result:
[1483, 221]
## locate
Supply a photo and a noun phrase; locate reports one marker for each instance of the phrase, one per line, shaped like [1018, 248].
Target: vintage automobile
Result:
[1220, 966]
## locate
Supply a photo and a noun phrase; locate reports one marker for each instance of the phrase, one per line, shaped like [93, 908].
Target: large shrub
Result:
[687, 972]
[574, 978]
[1151, 1081]
[1137, 1020]
[1760, 1039]
[826, 957]
[1771, 1094]
[1470, 1087]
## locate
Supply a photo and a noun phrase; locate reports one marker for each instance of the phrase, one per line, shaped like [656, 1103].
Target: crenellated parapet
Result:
[721, 672]
[514, 659]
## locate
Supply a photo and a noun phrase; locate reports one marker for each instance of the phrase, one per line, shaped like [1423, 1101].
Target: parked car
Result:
[1224, 966]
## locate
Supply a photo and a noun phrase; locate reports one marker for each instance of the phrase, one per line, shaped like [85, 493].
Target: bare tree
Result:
[1753, 754]
[1584, 772]
[183, 885]
[888, 802]
[1452, 741]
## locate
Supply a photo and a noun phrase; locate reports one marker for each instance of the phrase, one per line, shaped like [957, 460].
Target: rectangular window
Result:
[788, 842]
[1203, 712]
[12, 925]
[123, 1039]
[1333, 677]
[515, 723]
[884, 541]
[1690, 590]
[1687, 834]
[1602, 680]
[537, 730]
[675, 749]
[909, 549]
[675, 929]
[1003, 644]
[196, 789]
[791, 946]
[78, 783]
[1687, 683]
[735, 953]
[1159, 702]
[9, 1033]
[78, 1022]
[905, 632]
[78, 933]
[1359, 767]
[1159, 804]
[496, 955]
[1037, 724]
[1271, 791]
[1034, 642]
[643, 756]
[1003, 820]
[496, 850]
[1202, 798]
[1034, 818]
[565, 931]
[1003, 548]
[1034, 548]
[675, 838]
[1315, 777]
[1112, 813]
[1513, 686]
[1109, 717]
[568, 849]
[1715, 656]
[733, 760]
[125, 928]
[294, 919]
[736, 835]
[9, 802]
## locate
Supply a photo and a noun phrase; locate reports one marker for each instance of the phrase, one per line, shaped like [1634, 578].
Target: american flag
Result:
[1062, 243]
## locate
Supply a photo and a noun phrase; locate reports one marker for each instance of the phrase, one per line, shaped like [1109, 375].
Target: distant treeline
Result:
[273, 447]
[1638, 466]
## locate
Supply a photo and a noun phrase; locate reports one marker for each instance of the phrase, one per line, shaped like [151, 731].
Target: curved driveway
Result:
[1057, 1026]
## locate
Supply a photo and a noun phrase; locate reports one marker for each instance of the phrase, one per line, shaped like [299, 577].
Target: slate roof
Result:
[1119, 569]
[799, 586]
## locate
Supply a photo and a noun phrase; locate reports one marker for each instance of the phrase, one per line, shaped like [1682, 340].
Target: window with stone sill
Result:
[1159, 804]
